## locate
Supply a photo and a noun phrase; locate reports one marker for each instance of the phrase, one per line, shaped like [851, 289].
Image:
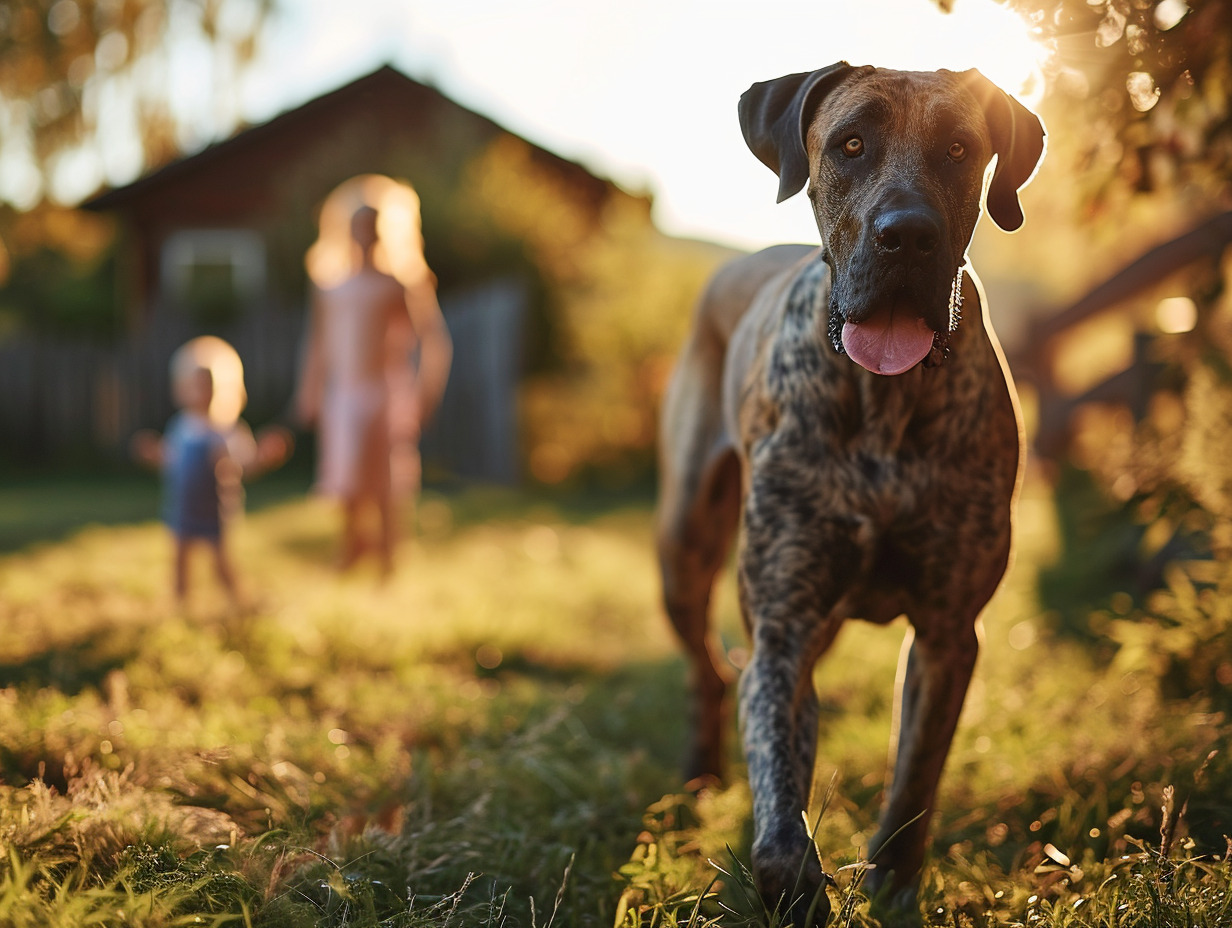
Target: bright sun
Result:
[981, 34]
[1002, 45]
[1005, 49]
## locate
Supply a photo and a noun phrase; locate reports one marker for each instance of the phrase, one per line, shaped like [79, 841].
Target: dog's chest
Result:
[883, 430]
[871, 451]
[888, 451]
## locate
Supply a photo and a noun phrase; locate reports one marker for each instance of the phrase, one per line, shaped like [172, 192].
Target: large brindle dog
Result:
[851, 403]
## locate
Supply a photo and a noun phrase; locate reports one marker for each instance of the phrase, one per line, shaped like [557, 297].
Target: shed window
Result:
[213, 274]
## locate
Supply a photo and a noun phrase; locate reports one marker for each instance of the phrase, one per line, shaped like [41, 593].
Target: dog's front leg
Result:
[778, 710]
[935, 677]
[787, 593]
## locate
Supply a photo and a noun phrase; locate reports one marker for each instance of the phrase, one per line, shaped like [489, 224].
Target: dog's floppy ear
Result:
[1017, 137]
[774, 116]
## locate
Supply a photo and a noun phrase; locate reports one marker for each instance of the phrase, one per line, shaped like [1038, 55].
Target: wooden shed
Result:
[214, 243]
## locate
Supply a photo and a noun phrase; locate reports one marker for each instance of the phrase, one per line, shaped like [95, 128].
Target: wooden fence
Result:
[60, 398]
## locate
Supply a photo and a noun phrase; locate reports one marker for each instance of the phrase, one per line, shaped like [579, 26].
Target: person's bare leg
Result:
[414, 486]
[387, 513]
[352, 536]
[179, 579]
[381, 453]
[226, 573]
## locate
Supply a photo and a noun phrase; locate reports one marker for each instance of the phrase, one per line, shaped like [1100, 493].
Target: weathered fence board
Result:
[59, 397]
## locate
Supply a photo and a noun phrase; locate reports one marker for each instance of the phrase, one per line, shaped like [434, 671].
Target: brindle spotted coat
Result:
[862, 495]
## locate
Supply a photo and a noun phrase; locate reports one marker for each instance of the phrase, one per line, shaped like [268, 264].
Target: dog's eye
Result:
[957, 151]
[853, 147]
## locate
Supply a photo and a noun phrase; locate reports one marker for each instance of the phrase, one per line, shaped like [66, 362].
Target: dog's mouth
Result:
[891, 341]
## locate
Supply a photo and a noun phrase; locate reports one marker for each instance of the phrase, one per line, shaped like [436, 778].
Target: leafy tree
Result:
[85, 99]
[1152, 79]
[71, 68]
[1138, 91]
[1144, 85]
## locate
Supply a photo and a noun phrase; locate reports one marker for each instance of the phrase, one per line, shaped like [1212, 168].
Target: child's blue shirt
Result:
[192, 448]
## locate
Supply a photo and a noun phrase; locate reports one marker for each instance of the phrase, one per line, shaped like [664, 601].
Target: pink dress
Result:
[369, 418]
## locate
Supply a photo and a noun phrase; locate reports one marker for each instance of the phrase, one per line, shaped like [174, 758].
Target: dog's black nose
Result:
[907, 234]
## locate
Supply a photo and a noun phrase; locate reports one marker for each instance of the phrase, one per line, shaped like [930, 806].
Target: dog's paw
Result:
[894, 905]
[792, 883]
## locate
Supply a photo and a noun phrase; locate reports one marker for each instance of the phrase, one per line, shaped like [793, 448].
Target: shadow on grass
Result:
[471, 505]
[36, 509]
[546, 795]
[70, 667]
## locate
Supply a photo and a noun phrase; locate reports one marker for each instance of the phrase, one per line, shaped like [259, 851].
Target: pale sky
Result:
[640, 91]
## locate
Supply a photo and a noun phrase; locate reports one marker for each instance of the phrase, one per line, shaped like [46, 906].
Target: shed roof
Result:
[382, 84]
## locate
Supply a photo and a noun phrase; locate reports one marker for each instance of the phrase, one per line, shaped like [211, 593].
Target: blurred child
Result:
[204, 453]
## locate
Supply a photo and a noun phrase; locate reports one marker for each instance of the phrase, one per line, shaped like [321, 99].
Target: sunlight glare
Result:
[1002, 45]
[1176, 315]
[1170, 12]
[75, 174]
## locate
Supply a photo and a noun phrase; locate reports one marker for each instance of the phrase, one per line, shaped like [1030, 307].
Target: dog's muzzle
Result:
[911, 319]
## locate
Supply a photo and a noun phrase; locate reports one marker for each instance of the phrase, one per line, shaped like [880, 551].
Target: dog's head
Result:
[895, 164]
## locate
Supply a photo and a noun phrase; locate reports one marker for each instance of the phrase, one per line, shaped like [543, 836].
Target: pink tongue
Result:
[891, 342]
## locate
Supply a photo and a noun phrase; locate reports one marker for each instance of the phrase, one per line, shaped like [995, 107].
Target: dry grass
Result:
[484, 742]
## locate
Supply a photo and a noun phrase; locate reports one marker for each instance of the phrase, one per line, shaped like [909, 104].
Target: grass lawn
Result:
[35, 509]
[493, 738]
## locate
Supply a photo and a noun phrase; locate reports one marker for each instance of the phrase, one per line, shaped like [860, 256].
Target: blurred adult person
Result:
[375, 366]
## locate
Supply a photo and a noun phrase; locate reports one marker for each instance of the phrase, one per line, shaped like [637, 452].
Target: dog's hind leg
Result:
[697, 515]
